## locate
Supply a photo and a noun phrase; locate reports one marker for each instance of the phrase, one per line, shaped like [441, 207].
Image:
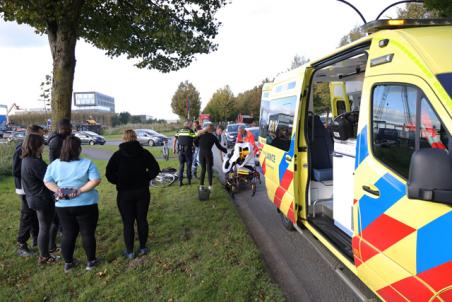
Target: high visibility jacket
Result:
[248, 138]
[185, 137]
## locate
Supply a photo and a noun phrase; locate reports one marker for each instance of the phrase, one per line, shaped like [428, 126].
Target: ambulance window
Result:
[393, 125]
[446, 81]
[432, 132]
[263, 121]
[340, 107]
[276, 122]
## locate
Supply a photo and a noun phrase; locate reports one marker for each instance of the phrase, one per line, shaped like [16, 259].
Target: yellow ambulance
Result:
[355, 150]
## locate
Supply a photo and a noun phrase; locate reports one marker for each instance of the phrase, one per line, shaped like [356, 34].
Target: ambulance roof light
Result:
[377, 25]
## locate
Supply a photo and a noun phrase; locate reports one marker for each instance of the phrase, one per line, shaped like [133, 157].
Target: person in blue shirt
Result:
[73, 180]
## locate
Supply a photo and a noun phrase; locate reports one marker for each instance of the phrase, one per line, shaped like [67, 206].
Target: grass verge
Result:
[199, 252]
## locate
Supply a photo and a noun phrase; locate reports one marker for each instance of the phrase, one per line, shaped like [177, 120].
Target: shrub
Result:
[6, 158]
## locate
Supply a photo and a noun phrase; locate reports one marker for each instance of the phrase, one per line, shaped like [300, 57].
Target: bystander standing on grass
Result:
[73, 180]
[38, 196]
[28, 223]
[131, 168]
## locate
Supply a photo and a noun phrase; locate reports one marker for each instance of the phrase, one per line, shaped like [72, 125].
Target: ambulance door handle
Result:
[369, 190]
[288, 158]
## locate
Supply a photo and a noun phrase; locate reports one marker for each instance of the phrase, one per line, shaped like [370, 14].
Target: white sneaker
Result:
[210, 188]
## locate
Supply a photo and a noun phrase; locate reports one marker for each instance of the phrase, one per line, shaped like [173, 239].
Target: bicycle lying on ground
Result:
[165, 178]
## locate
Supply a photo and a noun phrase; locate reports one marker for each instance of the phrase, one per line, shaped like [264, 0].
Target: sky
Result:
[257, 40]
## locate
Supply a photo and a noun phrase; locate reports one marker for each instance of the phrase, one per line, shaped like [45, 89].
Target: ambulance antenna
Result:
[397, 3]
[355, 9]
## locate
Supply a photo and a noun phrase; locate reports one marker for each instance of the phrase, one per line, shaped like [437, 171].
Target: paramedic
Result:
[183, 146]
[246, 137]
[205, 142]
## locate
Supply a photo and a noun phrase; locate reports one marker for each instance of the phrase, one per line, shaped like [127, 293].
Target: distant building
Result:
[93, 101]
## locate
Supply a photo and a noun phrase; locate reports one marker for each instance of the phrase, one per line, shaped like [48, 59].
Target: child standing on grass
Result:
[28, 224]
[73, 180]
[131, 168]
[38, 197]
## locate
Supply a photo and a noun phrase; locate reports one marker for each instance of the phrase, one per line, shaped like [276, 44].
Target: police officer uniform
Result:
[185, 139]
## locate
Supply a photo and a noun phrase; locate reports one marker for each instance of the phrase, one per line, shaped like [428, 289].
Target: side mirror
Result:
[430, 176]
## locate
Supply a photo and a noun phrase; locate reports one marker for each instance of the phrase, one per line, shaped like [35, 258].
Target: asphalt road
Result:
[292, 261]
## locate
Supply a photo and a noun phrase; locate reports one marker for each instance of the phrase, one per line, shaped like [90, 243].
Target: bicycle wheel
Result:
[163, 180]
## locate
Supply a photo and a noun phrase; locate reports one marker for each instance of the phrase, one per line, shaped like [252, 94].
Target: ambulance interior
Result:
[335, 91]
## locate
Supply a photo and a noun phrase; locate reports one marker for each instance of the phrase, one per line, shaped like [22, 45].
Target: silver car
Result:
[150, 137]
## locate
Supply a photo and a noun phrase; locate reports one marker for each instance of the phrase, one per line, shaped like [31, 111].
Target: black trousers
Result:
[185, 158]
[206, 161]
[54, 227]
[81, 219]
[28, 223]
[133, 206]
[45, 218]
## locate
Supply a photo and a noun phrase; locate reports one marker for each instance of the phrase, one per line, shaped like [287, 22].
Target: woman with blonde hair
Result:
[131, 168]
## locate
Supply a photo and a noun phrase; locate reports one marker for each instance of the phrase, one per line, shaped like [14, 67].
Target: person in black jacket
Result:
[55, 142]
[131, 168]
[205, 141]
[28, 223]
[38, 196]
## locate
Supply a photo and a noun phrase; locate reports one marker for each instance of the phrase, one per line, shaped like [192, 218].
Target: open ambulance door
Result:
[302, 157]
[279, 121]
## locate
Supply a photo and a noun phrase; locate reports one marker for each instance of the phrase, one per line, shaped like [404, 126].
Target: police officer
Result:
[183, 141]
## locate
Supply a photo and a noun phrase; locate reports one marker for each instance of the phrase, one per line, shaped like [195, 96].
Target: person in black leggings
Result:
[38, 197]
[131, 168]
[73, 180]
[205, 141]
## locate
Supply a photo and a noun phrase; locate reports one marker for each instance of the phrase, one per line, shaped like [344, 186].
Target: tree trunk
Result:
[62, 45]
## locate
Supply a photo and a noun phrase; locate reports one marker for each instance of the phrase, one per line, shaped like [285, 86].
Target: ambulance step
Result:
[337, 237]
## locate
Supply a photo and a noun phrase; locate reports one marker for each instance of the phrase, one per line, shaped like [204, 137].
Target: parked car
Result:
[89, 137]
[17, 136]
[231, 133]
[150, 137]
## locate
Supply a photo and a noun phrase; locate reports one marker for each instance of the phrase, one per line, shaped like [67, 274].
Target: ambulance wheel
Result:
[288, 225]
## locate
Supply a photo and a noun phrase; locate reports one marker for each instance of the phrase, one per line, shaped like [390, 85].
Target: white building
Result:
[93, 101]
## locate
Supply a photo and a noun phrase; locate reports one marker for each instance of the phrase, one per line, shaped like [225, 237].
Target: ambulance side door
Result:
[277, 121]
[399, 243]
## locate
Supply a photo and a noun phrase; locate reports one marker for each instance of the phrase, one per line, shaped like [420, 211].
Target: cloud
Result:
[13, 36]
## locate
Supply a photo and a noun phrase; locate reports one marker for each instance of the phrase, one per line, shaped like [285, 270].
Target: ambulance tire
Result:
[288, 225]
